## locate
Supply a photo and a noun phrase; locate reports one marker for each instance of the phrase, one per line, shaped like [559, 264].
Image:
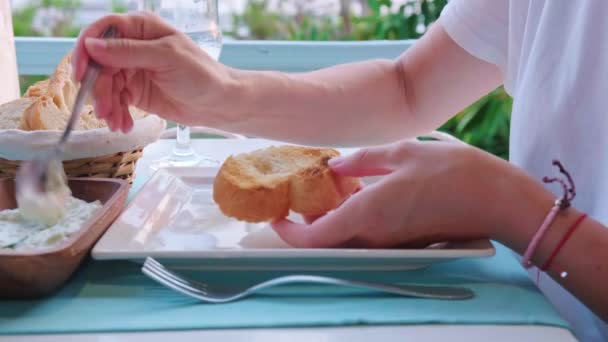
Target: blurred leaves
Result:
[47, 18]
[22, 21]
[118, 6]
[484, 124]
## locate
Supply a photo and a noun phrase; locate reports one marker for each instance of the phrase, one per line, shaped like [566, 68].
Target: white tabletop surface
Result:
[220, 149]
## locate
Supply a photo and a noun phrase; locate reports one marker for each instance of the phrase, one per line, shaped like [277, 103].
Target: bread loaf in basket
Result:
[34, 123]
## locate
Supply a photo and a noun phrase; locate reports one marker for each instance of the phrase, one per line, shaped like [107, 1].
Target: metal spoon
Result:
[34, 173]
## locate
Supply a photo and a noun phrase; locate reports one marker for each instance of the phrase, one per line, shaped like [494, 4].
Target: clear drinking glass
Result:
[200, 21]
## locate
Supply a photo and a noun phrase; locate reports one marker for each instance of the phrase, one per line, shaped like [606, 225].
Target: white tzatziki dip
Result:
[20, 234]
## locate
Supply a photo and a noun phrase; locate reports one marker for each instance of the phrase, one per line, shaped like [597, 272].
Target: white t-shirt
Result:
[553, 55]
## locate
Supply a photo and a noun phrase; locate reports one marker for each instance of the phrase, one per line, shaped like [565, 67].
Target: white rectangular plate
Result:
[173, 218]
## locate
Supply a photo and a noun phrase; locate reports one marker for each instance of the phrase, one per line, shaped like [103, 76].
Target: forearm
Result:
[363, 103]
[352, 104]
[583, 257]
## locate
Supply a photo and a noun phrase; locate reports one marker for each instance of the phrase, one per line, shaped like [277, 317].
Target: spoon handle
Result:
[86, 85]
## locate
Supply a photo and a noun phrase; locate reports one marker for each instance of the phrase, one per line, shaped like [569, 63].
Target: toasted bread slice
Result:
[37, 89]
[11, 112]
[264, 185]
[43, 114]
[52, 100]
[61, 87]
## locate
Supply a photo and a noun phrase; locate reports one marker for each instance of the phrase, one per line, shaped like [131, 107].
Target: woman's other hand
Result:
[427, 192]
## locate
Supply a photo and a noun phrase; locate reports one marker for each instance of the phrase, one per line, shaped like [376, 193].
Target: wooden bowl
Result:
[33, 274]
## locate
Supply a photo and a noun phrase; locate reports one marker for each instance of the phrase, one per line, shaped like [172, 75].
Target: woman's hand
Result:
[151, 66]
[428, 192]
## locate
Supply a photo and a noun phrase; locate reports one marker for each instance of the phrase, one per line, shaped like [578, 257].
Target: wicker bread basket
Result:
[119, 165]
[95, 153]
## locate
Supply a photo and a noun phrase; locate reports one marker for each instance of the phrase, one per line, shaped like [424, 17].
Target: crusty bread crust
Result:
[11, 112]
[37, 89]
[61, 87]
[41, 114]
[266, 184]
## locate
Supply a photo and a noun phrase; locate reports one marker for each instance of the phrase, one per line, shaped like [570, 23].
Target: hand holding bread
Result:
[415, 201]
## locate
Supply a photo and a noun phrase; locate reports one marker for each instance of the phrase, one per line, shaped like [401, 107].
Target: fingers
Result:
[115, 119]
[112, 101]
[335, 228]
[103, 95]
[315, 235]
[373, 161]
[139, 26]
[127, 120]
[129, 53]
[311, 218]
[120, 118]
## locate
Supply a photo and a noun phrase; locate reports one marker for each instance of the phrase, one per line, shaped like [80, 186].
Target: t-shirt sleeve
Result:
[480, 27]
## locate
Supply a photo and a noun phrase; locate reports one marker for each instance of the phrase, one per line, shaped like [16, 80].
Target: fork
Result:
[215, 294]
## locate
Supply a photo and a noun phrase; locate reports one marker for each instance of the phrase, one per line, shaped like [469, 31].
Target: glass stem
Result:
[182, 142]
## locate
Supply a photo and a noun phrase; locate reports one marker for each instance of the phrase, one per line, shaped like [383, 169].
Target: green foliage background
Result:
[484, 124]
